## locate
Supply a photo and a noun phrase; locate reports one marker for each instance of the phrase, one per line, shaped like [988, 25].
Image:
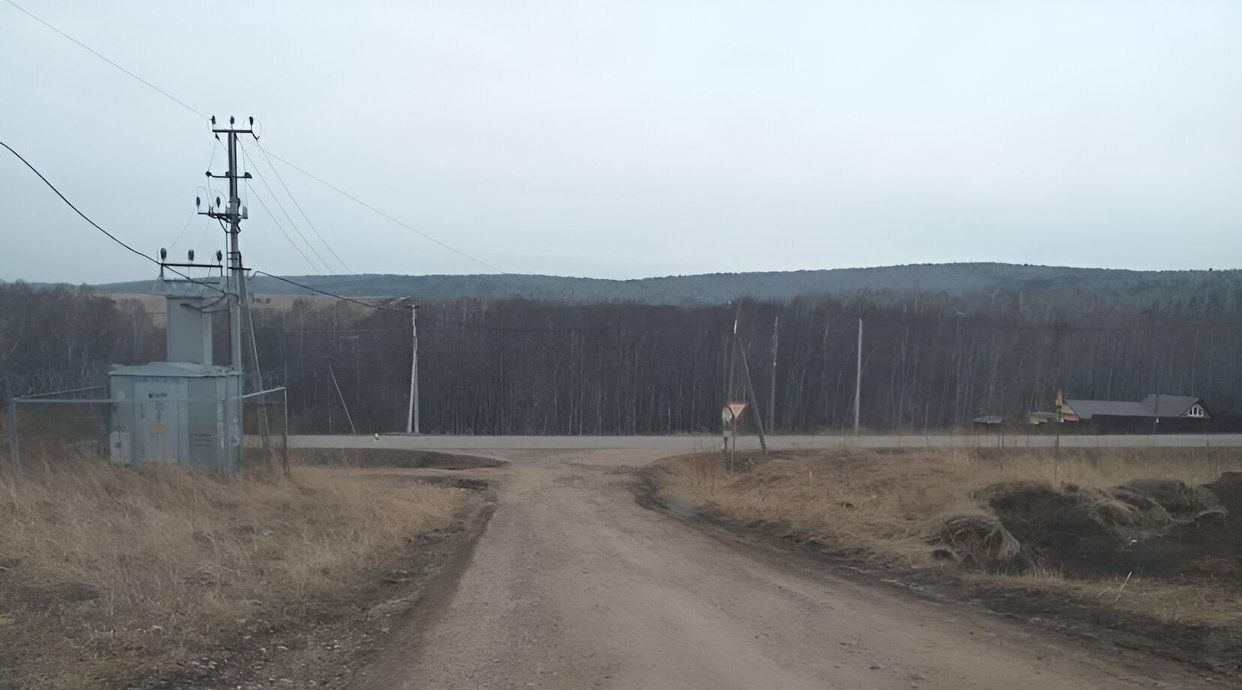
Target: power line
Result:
[210, 160]
[97, 226]
[326, 267]
[334, 188]
[99, 55]
[285, 234]
[300, 210]
[377, 307]
[445, 322]
[375, 210]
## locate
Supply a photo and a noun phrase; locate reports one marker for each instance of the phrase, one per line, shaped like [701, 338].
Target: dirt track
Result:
[574, 585]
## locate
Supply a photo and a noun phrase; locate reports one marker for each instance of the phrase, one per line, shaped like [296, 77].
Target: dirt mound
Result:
[1228, 491]
[1179, 499]
[392, 457]
[1072, 528]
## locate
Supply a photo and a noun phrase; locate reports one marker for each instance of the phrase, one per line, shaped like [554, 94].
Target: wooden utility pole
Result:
[858, 380]
[776, 329]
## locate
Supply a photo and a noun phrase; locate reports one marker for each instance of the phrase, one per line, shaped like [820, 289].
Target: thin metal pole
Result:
[858, 379]
[733, 450]
[776, 329]
[411, 420]
[265, 434]
[733, 353]
[13, 447]
[340, 395]
[284, 394]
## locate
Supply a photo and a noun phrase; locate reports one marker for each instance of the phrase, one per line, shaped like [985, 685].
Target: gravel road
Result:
[575, 585]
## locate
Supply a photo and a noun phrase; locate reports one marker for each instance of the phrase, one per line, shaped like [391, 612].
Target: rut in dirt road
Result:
[574, 585]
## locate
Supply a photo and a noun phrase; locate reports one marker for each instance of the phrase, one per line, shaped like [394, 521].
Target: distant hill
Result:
[715, 288]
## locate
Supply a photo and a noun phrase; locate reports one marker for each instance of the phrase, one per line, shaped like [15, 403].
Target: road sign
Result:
[732, 411]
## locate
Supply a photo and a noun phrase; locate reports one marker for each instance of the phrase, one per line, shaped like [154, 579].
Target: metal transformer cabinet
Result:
[176, 412]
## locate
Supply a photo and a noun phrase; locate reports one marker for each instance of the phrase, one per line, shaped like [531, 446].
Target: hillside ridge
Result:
[717, 288]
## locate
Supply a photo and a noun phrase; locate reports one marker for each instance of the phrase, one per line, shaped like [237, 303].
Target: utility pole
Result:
[411, 420]
[737, 316]
[776, 328]
[233, 214]
[858, 380]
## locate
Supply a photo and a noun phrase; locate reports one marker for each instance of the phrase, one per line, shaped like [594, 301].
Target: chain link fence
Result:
[221, 435]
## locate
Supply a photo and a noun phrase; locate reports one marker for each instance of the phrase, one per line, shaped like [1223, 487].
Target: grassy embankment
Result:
[109, 575]
[1149, 533]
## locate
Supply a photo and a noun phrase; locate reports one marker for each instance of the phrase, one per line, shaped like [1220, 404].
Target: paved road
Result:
[690, 443]
[574, 585]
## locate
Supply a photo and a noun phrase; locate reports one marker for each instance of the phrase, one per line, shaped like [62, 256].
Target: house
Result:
[1154, 407]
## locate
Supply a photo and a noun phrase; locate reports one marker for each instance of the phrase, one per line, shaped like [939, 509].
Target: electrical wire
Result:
[375, 210]
[300, 210]
[99, 55]
[210, 160]
[300, 169]
[183, 229]
[246, 157]
[202, 237]
[100, 228]
[445, 322]
[288, 239]
[377, 307]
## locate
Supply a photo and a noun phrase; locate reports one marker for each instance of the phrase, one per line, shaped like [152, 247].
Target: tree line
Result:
[507, 366]
[929, 361]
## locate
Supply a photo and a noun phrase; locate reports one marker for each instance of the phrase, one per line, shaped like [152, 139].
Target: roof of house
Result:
[1154, 405]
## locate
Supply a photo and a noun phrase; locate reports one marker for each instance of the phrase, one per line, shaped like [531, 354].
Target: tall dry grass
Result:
[884, 507]
[126, 571]
[858, 496]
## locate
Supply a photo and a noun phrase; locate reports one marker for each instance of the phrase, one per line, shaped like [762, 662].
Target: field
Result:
[1146, 535]
[109, 576]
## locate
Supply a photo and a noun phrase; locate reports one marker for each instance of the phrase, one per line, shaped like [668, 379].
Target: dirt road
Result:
[574, 585]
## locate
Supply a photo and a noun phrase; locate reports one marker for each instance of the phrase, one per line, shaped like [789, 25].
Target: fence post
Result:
[14, 451]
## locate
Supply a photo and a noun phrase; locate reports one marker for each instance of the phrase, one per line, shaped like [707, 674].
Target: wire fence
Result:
[222, 435]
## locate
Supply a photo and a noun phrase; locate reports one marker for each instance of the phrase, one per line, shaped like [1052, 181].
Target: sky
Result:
[630, 139]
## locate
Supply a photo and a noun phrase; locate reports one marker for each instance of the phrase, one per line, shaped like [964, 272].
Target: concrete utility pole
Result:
[233, 214]
[411, 420]
[858, 380]
[776, 329]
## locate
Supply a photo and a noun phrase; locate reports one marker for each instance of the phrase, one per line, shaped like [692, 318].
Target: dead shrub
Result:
[979, 540]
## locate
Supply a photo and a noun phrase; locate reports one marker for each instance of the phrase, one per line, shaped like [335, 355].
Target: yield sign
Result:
[733, 411]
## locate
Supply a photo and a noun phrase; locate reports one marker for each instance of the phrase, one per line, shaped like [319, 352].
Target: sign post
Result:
[731, 415]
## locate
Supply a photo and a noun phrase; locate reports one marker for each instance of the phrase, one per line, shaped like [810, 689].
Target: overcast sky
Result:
[635, 138]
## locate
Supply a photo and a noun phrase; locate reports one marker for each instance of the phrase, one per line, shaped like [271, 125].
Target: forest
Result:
[931, 361]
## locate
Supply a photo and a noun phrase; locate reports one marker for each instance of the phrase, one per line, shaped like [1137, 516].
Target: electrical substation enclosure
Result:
[186, 411]
[176, 412]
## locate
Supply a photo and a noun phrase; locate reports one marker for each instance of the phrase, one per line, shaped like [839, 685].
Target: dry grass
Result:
[124, 572]
[886, 507]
